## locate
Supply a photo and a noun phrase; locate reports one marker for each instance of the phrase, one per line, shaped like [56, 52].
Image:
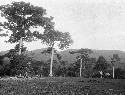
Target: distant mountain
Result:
[71, 58]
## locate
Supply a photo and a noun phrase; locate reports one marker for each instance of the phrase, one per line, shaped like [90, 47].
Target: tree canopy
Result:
[101, 64]
[20, 17]
[51, 37]
[115, 58]
[84, 54]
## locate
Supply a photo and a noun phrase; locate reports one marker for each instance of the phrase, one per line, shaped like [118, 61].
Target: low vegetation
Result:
[62, 86]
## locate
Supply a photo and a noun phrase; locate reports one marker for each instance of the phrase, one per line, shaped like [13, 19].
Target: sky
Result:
[94, 24]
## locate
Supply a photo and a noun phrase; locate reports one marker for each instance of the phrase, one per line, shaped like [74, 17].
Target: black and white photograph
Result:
[62, 47]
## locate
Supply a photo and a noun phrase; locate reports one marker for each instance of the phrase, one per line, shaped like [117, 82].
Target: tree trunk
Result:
[113, 72]
[84, 67]
[51, 64]
[20, 44]
[81, 67]
[101, 76]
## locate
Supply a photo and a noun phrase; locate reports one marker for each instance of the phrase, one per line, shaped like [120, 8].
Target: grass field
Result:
[62, 86]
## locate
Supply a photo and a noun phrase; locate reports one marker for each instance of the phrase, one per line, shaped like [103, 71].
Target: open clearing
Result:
[62, 86]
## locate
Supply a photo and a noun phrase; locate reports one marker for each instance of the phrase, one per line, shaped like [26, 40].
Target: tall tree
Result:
[114, 59]
[54, 37]
[83, 57]
[20, 18]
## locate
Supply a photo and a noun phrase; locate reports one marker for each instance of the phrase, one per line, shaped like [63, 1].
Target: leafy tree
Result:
[89, 67]
[115, 59]
[62, 69]
[45, 69]
[20, 18]
[119, 73]
[4, 65]
[92, 60]
[11, 54]
[72, 70]
[39, 68]
[52, 38]
[82, 58]
[1, 65]
[1, 60]
[101, 65]
[76, 68]
[19, 64]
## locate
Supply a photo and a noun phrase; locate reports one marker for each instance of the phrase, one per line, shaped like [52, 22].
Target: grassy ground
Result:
[62, 86]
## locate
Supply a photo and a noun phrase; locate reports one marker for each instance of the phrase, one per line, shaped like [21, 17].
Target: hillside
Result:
[36, 54]
[96, 53]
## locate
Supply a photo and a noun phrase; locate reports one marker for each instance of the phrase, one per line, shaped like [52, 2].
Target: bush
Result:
[19, 65]
[119, 73]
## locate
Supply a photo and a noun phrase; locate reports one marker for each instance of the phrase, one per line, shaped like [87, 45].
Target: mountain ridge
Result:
[71, 58]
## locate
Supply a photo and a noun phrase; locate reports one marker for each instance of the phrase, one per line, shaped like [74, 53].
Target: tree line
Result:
[84, 66]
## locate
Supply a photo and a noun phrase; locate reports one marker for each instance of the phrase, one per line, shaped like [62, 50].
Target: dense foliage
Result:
[27, 66]
[21, 17]
[101, 64]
